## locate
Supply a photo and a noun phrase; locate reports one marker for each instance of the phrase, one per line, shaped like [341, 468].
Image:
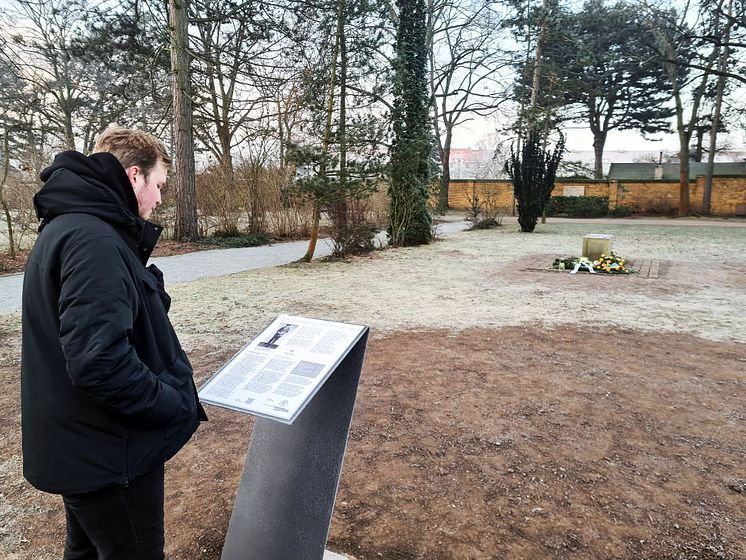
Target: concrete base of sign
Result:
[285, 499]
[329, 555]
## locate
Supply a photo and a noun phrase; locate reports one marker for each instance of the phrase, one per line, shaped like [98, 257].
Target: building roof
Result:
[647, 171]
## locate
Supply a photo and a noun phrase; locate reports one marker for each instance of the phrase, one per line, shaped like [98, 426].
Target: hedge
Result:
[578, 206]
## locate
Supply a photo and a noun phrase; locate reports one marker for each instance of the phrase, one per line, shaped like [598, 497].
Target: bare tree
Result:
[236, 51]
[464, 66]
[43, 52]
[682, 53]
[723, 66]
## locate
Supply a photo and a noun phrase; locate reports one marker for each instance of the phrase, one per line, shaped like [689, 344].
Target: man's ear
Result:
[133, 173]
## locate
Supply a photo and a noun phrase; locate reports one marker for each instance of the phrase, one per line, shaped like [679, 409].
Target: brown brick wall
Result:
[460, 193]
[653, 197]
[727, 192]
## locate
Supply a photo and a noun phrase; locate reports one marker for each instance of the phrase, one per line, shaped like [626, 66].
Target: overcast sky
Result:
[477, 133]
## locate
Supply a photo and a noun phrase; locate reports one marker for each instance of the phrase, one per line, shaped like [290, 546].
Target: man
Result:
[107, 392]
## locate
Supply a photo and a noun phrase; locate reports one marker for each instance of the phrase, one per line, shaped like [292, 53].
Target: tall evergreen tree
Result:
[410, 219]
[613, 75]
[533, 171]
[598, 67]
[337, 148]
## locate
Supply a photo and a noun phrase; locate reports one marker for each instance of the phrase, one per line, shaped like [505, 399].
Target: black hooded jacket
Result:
[106, 390]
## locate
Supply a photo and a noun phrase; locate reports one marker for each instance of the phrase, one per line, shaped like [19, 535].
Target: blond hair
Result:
[133, 147]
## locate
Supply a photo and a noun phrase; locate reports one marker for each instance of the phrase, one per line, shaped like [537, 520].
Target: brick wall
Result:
[460, 193]
[727, 194]
[652, 197]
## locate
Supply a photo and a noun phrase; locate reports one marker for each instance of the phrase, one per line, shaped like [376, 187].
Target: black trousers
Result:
[119, 523]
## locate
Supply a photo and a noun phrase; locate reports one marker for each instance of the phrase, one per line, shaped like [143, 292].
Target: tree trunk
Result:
[342, 134]
[316, 218]
[707, 191]
[186, 201]
[684, 203]
[684, 137]
[280, 133]
[536, 82]
[700, 144]
[445, 179]
[722, 67]
[599, 141]
[6, 208]
[69, 135]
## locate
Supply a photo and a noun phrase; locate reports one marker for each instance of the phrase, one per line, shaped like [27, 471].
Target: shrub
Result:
[483, 211]
[660, 208]
[474, 210]
[621, 211]
[220, 201]
[488, 223]
[532, 172]
[490, 203]
[352, 232]
[235, 241]
[578, 206]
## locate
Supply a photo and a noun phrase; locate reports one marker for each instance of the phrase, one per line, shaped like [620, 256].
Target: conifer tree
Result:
[533, 171]
[410, 219]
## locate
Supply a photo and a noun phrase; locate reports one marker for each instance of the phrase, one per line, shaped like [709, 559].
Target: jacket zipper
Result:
[126, 461]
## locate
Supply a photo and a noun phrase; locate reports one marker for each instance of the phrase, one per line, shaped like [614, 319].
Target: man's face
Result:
[148, 189]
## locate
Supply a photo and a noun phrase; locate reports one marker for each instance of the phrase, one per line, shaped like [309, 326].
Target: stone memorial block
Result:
[596, 244]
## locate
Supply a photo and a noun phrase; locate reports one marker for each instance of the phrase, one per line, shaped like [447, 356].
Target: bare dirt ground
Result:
[502, 413]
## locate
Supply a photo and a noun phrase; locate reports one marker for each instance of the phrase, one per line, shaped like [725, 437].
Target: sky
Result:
[481, 133]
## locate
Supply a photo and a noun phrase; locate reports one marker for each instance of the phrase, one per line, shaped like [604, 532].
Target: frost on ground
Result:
[479, 279]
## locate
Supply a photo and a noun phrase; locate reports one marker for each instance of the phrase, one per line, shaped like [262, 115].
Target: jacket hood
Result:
[95, 184]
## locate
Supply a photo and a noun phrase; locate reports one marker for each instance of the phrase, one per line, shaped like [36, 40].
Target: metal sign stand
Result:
[285, 499]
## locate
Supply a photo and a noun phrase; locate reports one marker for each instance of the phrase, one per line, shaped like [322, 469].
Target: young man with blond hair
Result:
[106, 389]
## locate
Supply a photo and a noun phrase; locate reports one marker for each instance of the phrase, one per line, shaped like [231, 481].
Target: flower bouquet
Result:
[565, 263]
[611, 264]
[607, 264]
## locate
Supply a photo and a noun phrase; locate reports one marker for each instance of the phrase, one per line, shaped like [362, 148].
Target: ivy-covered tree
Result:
[409, 216]
[533, 171]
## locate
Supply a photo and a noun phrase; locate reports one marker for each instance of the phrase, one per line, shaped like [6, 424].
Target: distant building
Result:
[670, 171]
[467, 163]
[476, 164]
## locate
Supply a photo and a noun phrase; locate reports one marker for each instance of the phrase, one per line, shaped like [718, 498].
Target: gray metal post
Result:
[285, 499]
